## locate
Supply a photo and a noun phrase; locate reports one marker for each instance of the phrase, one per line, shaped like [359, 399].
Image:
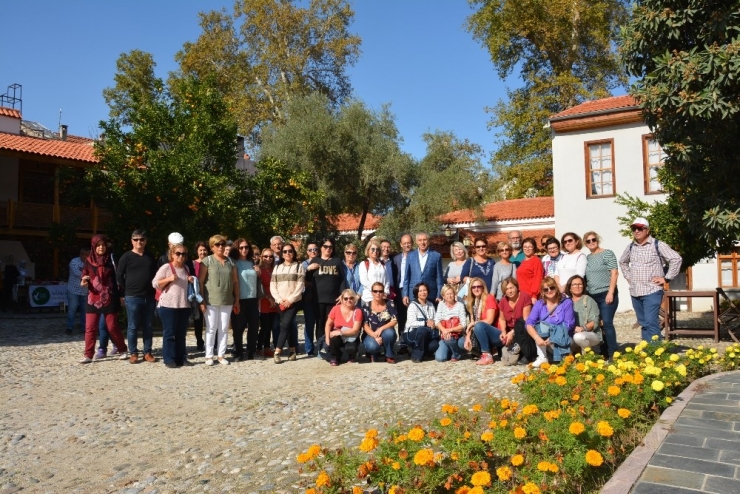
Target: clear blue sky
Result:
[416, 55]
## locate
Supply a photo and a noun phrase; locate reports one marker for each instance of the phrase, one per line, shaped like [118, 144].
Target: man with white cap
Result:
[643, 265]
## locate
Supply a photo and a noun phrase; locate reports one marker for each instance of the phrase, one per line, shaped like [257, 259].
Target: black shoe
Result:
[201, 346]
[171, 366]
[250, 356]
[404, 350]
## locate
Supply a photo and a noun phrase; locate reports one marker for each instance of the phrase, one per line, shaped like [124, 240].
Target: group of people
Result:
[521, 306]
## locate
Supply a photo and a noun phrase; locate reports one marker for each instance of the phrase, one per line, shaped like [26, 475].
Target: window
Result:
[729, 269]
[652, 159]
[600, 168]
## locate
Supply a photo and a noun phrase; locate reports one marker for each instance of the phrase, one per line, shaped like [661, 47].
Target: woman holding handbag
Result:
[451, 321]
[483, 312]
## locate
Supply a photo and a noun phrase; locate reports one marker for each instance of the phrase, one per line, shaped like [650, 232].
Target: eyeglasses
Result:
[350, 252]
[139, 239]
[243, 247]
[591, 241]
[180, 254]
[637, 228]
[549, 289]
[505, 250]
[288, 251]
[477, 287]
[312, 250]
[220, 244]
[568, 240]
[481, 246]
[328, 246]
[378, 291]
[515, 238]
[347, 298]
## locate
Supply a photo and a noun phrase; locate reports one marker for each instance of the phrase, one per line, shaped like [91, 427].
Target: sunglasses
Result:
[374, 249]
[243, 247]
[477, 287]
[568, 240]
[347, 298]
[591, 241]
[180, 254]
[350, 253]
[312, 250]
[505, 250]
[481, 246]
[637, 228]
[220, 244]
[327, 246]
[140, 239]
[378, 291]
[549, 289]
[288, 251]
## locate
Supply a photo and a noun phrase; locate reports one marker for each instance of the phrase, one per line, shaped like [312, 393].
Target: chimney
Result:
[63, 132]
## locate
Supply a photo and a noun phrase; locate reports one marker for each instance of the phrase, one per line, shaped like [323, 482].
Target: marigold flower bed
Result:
[580, 419]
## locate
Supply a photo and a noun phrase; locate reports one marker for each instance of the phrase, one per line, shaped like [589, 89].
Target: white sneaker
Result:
[209, 361]
[539, 361]
[223, 361]
[86, 360]
[123, 356]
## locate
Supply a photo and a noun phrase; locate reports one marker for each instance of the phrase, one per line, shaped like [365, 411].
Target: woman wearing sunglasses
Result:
[174, 308]
[329, 279]
[480, 265]
[372, 271]
[286, 286]
[551, 323]
[483, 312]
[380, 325]
[601, 285]
[503, 269]
[248, 316]
[342, 329]
[268, 307]
[220, 287]
[573, 261]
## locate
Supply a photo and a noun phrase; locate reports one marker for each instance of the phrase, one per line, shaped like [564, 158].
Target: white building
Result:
[603, 148]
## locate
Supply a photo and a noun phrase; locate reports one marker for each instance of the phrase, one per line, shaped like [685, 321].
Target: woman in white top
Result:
[420, 332]
[573, 261]
[372, 270]
[174, 308]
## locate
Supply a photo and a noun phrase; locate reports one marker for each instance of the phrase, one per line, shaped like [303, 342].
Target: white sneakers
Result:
[209, 361]
[541, 356]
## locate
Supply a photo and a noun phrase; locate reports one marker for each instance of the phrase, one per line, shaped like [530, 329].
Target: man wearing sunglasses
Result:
[643, 266]
[135, 272]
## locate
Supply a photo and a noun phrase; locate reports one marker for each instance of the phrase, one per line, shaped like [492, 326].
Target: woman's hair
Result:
[579, 243]
[349, 292]
[552, 240]
[445, 289]
[530, 240]
[591, 232]
[216, 239]
[548, 282]
[200, 244]
[570, 282]
[234, 252]
[459, 245]
[470, 299]
[501, 245]
[372, 243]
[509, 281]
[256, 252]
[416, 288]
[272, 256]
[173, 249]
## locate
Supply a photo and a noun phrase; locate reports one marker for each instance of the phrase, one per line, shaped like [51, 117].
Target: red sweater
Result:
[529, 274]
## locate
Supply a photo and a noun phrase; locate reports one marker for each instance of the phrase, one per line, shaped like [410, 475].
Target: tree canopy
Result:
[563, 51]
[266, 52]
[685, 56]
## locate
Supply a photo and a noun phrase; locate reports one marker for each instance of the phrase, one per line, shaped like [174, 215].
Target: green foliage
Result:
[169, 163]
[351, 155]
[686, 58]
[267, 52]
[563, 51]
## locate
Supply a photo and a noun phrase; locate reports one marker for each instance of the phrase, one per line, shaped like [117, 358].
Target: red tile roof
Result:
[350, 222]
[441, 244]
[513, 209]
[10, 112]
[625, 102]
[80, 139]
[71, 149]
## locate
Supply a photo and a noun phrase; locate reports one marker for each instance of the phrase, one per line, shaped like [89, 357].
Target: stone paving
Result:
[115, 427]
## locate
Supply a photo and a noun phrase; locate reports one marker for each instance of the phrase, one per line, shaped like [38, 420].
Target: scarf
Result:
[101, 281]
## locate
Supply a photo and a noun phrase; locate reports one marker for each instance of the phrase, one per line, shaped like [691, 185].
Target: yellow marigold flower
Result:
[466, 435]
[313, 450]
[323, 480]
[423, 457]
[357, 490]
[530, 488]
[503, 473]
[564, 402]
[371, 433]
[580, 367]
[613, 390]
[303, 458]
[616, 355]
[681, 369]
[481, 478]
[624, 413]
[454, 456]
[669, 400]
[553, 468]
[576, 428]
[519, 433]
[396, 465]
[628, 349]
[310, 490]
[657, 385]
[517, 460]
[600, 378]
[604, 429]
[486, 436]
[445, 422]
[416, 434]
[476, 490]
[395, 490]
[594, 458]
[659, 352]
[505, 403]
[463, 490]
[368, 445]
[543, 466]
[530, 410]
[477, 407]
[561, 381]
[503, 423]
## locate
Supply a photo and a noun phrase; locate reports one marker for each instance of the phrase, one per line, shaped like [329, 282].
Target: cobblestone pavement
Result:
[116, 427]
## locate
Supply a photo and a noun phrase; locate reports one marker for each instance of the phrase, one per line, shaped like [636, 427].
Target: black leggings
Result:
[267, 321]
[287, 317]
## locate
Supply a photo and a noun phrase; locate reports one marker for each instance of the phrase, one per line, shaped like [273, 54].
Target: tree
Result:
[269, 51]
[563, 51]
[449, 177]
[167, 161]
[351, 153]
[686, 58]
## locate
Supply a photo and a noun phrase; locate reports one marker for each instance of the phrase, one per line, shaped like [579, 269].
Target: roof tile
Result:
[349, 222]
[70, 149]
[625, 102]
[10, 112]
[513, 209]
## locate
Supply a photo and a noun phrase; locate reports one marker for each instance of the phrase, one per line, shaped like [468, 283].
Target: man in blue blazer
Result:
[424, 265]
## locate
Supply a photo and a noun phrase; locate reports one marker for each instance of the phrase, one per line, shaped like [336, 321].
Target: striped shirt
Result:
[599, 268]
[287, 282]
[641, 263]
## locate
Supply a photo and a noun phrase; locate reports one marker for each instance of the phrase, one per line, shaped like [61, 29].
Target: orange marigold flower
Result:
[303, 458]
[638, 378]
[613, 390]
[569, 359]
[492, 424]
[481, 478]
[477, 407]
[560, 371]
[600, 378]
[466, 435]
[486, 436]
[445, 422]
[530, 410]
[323, 480]
[449, 409]
[545, 366]
[395, 490]
[463, 490]
[400, 439]
[424, 457]
[543, 466]
[313, 450]
[476, 490]
[357, 490]
[604, 429]
[628, 378]
[553, 468]
[310, 490]
[503, 473]
[371, 433]
[624, 413]
[594, 458]
[580, 367]
[416, 434]
[368, 445]
[575, 397]
[396, 466]
[403, 454]
[503, 423]
[519, 433]
[517, 460]
[561, 381]
[576, 428]
[530, 488]
[505, 403]
[619, 381]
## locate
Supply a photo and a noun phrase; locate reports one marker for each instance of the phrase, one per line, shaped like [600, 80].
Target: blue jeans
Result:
[389, 338]
[103, 335]
[450, 346]
[174, 329]
[76, 303]
[309, 316]
[606, 312]
[423, 341]
[140, 311]
[647, 309]
[487, 335]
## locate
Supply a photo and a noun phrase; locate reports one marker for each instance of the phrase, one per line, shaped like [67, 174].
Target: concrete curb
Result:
[630, 470]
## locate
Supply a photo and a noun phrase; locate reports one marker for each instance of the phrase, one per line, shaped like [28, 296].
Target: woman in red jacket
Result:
[530, 272]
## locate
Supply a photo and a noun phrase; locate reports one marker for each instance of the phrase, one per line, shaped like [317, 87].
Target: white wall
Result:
[8, 178]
